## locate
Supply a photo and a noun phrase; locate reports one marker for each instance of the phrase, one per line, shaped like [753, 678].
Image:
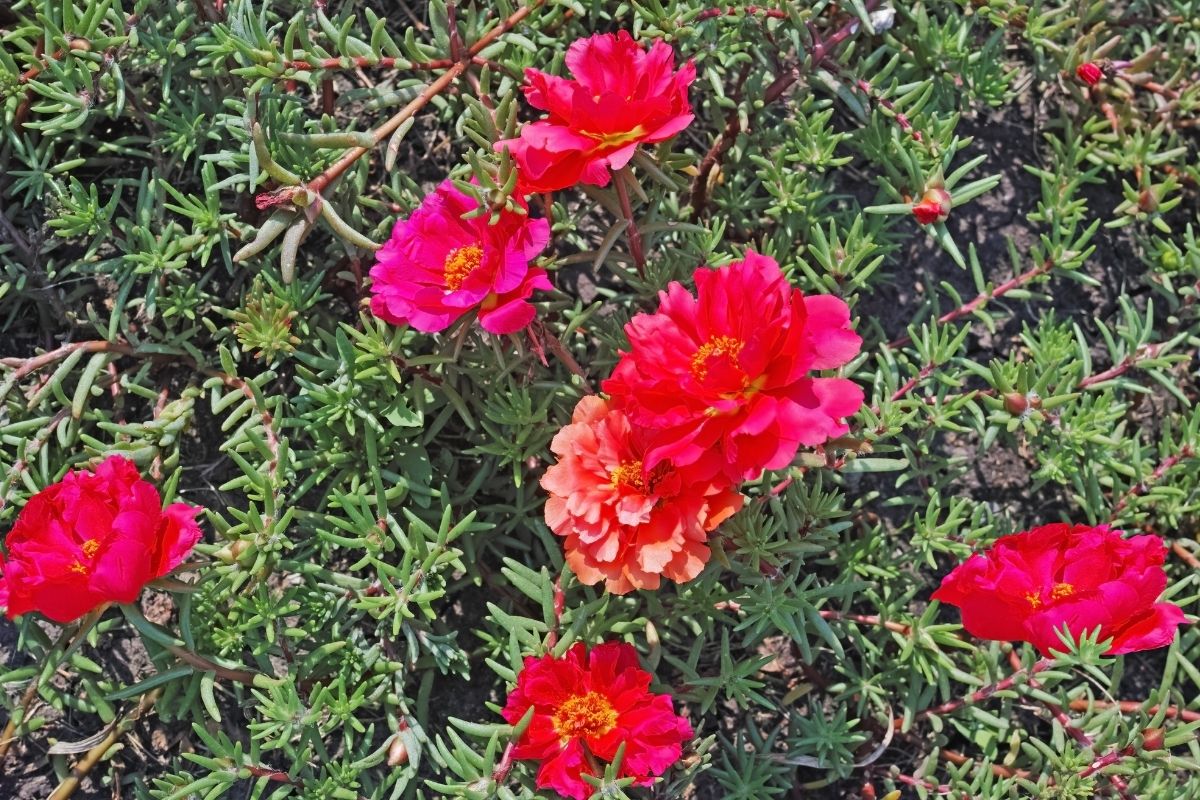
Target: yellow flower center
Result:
[90, 548]
[588, 715]
[619, 139]
[1059, 592]
[716, 347]
[631, 474]
[1062, 590]
[460, 262]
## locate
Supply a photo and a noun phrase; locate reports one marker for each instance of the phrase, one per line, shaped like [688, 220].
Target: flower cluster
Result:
[93, 538]
[715, 388]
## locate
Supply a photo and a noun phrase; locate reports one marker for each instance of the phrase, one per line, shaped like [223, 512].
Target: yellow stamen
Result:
[588, 715]
[717, 346]
[1062, 590]
[461, 262]
[631, 474]
[90, 547]
[619, 139]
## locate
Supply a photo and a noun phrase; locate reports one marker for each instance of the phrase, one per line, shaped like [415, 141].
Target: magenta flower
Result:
[437, 266]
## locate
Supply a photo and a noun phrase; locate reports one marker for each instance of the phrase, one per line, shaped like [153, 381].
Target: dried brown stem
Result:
[24, 366]
[85, 765]
[453, 72]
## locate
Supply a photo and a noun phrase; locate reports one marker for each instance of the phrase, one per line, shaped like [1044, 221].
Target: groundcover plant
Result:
[648, 399]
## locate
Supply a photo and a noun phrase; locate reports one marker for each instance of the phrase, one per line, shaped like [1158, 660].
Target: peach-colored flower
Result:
[624, 524]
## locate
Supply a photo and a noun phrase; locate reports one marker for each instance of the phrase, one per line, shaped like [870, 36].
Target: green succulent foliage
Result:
[187, 227]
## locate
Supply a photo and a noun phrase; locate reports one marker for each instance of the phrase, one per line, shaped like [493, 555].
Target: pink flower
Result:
[1027, 586]
[625, 524]
[730, 370]
[90, 539]
[437, 266]
[598, 700]
[621, 97]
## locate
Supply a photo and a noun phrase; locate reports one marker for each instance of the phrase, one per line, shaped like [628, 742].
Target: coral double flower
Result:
[1030, 585]
[94, 537]
[585, 706]
[625, 523]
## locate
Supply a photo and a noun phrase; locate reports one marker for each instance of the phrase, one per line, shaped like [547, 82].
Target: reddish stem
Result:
[335, 170]
[631, 229]
[710, 13]
[1129, 362]
[983, 297]
[864, 619]
[1139, 489]
[980, 695]
[1133, 707]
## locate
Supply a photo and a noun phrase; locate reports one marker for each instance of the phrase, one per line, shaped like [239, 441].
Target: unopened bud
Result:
[1089, 73]
[934, 207]
[1147, 202]
[1015, 403]
[1152, 739]
[397, 753]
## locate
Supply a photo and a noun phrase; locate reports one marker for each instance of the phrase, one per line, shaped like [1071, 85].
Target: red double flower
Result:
[1028, 586]
[94, 537]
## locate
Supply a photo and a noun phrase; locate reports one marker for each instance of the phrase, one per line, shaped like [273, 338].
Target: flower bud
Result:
[1089, 73]
[397, 753]
[1152, 739]
[934, 207]
[1015, 403]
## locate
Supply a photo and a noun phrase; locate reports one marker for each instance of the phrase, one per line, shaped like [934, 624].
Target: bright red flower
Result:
[437, 266]
[1089, 73]
[625, 524]
[94, 537]
[730, 370]
[597, 701]
[1028, 585]
[934, 207]
[621, 97]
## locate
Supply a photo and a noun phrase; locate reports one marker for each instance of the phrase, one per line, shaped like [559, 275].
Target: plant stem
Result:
[983, 297]
[980, 695]
[631, 229]
[335, 170]
[864, 619]
[93, 756]
[1140, 488]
